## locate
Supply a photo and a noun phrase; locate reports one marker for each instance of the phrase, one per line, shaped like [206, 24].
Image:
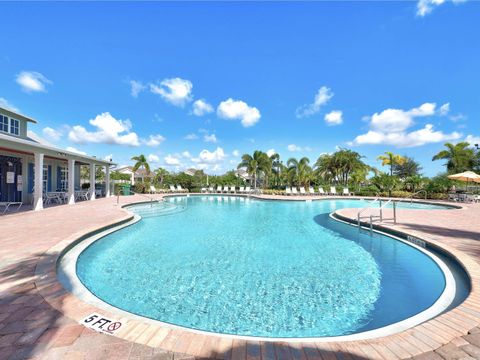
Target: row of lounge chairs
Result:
[171, 189]
[311, 191]
[227, 190]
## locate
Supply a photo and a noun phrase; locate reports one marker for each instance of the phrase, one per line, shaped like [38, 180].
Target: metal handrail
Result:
[152, 200]
[417, 192]
[380, 215]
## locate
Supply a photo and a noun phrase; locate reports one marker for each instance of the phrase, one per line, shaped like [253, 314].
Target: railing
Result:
[152, 200]
[417, 192]
[380, 217]
[377, 198]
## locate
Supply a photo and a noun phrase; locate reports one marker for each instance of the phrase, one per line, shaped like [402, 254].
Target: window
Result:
[3, 123]
[64, 178]
[14, 126]
[45, 178]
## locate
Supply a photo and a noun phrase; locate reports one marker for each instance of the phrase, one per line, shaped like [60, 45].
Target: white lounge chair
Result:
[153, 190]
[288, 191]
[172, 189]
[346, 192]
[294, 190]
[248, 190]
[7, 205]
[333, 190]
[311, 190]
[232, 189]
[219, 189]
[241, 189]
[302, 191]
[180, 189]
[321, 191]
[203, 190]
[225, 189]
[210, 189]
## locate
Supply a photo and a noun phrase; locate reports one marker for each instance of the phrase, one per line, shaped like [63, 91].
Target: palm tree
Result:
[160, 174]
[300, 170]
[255, 164]
[459, 157]
[141, 162]
[408, 168]
[391, 159]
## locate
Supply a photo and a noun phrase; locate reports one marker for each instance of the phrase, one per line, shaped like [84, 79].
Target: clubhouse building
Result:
[58, 179]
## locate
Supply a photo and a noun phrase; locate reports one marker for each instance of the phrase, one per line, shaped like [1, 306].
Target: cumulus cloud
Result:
[322, 97]
[35, 137]
[444, 109]
[75, 150]
[186, 154]
[153, 158]
[425, 7]
[236, 153]
[52, 134]
[154, 140]
[210, 157]
[176, 91]
[32, 81]
[191, 136]
[271, 152]
[334, 117]
[201, 107]
[136, 87]
[7, 105]
[391, 126]
[108, 131]
[296, 148]
[210, 138]
[472, 140]
[108, 157]
[171, 160]
[231, 109]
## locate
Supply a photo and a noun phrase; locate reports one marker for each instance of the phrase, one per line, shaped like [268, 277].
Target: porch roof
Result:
[25, 146]
[16, 115]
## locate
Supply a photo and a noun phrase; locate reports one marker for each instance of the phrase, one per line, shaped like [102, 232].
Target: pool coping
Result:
[425, 337]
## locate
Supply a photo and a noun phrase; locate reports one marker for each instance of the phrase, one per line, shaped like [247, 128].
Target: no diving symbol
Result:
[114, 326]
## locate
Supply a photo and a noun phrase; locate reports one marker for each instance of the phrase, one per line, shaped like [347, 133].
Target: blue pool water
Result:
[260, 268]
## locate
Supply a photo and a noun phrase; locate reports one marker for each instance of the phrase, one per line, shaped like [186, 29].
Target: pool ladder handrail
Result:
[372, 217]
[152, 200]
[417, 192]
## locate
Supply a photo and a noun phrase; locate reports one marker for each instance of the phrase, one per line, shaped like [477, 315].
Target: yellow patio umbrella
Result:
[466, 176]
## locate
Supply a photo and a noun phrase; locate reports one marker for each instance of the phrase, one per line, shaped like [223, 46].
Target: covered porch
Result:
[58, 182]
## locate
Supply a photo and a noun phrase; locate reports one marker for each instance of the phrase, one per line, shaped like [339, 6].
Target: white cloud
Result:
[236, 153]
[176, 91]
[231, 109]
[457, 117]
[472, 140]
[108, 157]
[186, 154]
[52, 134]
[293, 148]
[210, 157]
[271, 152]
[6, 105]
[153, 158]
[391, 126]
[444, 109]
[171, 160]
[191, 136]
[322, 97]
[75, 150]
[136, 87]
[425, 7]
[35, 137]
[210, 138]
[334, 117]
[201, 107]
[32, 81]
[108, 131]
[154, 140]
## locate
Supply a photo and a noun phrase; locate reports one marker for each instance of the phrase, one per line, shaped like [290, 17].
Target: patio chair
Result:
[321, 191]
[248, 190]
[219, 189]
[232, 189]
[210, 189]
[225, 189]
[7, 205]
[311, 190]
[153, 190]
[172, 188]
[180, 189]
[294, 190]
[241, 189]
[346, 191]
[288, 191]
[302, 191]
[333, 190]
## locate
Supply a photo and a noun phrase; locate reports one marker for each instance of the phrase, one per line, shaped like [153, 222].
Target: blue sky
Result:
[198, 84]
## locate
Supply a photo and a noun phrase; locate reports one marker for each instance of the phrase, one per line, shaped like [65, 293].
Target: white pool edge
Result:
[66, 268]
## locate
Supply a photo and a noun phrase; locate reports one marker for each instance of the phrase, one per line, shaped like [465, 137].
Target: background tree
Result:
[141, 163]
[409, 167]
[160, 175]
[459, 157]
[391, 159]
[255, 164]
[300, 170]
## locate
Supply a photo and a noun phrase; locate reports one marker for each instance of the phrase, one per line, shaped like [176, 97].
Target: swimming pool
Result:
[274, 269]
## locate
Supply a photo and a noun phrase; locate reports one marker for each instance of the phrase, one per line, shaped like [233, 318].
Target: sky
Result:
[193, 84]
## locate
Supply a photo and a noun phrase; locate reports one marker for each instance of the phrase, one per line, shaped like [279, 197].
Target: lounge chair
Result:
[302, 191]
[241, 189]
[7, 205]
[311, 190]
[153, 190]
[248, 190]
[321, 191]
[180, 189]
[219, 189]
[346, 192]
[232, 189]
[225, 189]
[203, 190]
[210, 189]
[333, 190]
[288, 191]
[294, 190]
[172, 189]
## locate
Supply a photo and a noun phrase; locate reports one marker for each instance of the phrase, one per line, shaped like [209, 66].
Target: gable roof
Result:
[16, 115]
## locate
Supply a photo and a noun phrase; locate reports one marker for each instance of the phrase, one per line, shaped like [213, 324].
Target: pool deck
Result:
[39, 319]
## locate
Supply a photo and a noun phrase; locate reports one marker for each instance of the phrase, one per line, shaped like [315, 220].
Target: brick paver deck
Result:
[39, 319]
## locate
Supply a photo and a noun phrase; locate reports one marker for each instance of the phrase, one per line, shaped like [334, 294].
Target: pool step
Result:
[159, 209]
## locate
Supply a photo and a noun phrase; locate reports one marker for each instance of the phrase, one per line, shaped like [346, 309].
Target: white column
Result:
[38, 188]
[132, 178]
[107, 181]
[92, 181]
[71, 181]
